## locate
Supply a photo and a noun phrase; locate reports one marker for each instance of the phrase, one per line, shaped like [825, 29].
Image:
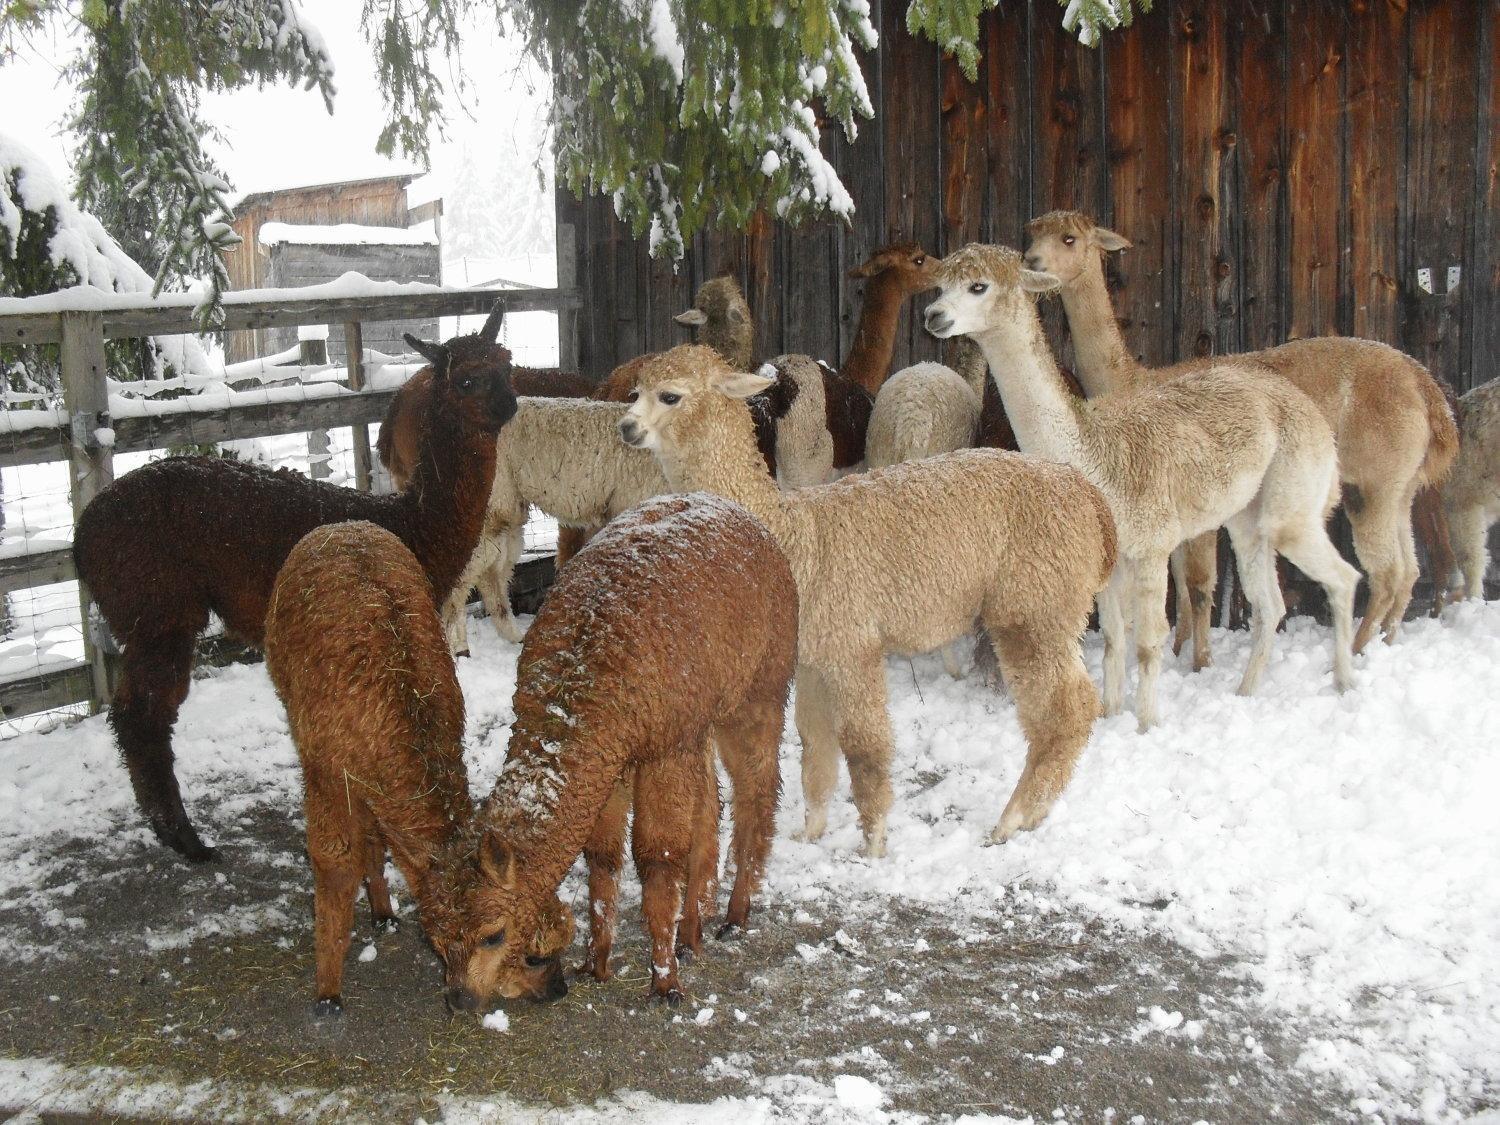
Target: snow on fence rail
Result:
[100, 419]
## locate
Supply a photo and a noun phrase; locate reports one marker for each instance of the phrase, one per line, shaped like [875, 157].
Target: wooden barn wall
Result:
[1284, 168]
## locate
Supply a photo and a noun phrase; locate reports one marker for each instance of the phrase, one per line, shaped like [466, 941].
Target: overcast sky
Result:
[281, 137]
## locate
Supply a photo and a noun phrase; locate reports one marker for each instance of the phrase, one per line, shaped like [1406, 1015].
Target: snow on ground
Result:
[1340, 849]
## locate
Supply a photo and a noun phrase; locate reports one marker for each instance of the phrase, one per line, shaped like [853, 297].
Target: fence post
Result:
[354, 350]
[567, 278]
[90, 456]
[314, 353]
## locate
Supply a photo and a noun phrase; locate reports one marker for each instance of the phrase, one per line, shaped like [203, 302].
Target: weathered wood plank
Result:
[1441, 142]
[964, 159]
[1377, 56]
[1260, 90]
[1138, 64]
[1482, 291]
[61, 688]
[1200, 95]
[1007, 94]
[762, 268]
[168, 320]
[1315, 163]
[861, 165]
[43, 568]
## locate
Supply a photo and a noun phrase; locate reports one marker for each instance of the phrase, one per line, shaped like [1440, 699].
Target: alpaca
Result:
[804, 447]
[903, 560]
[179, 539]
[1472, 493]
[1394, 431]
[895, 273]
[721, 315]
[671, 627]
[1226, 446]
[355, 650]
[562, 456]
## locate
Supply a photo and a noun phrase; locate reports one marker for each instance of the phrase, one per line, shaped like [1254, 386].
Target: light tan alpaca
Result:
[1223, 447]
[902, 560]
[1394, 430]
[1472, 494]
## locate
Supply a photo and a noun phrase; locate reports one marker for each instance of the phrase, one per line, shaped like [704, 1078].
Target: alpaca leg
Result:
[456, 618]
[749, 741]
[1430, 522]
[1201, 566]
[1253, 560]
[1410, 572]
[863, 725]
[661, 840]
[494, 590]
[338, 862]
[377, 890]
[1057, 704]
[154, 679]
[605, 855]
[701, 896]
[1183, 630]
[1373, 517]
[1309, 549]
[571, 540]
[1469, 534]
[820, 748]
[1112, 624]
[1150, 594]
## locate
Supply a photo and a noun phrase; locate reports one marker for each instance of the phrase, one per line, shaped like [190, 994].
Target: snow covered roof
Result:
[346, 234]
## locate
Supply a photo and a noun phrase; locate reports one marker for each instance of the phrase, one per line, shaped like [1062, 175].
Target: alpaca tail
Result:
[913, 435]
[1442, 442]
[1108, 537]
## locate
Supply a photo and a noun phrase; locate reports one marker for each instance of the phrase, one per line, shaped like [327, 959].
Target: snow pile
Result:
[345, 234]
[1340, 849]
[80, 243]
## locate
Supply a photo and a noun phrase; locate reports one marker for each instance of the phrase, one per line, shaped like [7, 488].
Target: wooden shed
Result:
[1285, 168]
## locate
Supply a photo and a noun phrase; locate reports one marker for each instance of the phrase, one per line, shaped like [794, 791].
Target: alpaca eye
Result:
[918, 261]
[1068, 240]
[466, 384]
[632, 396]
[978, 287]
[667, 398]
[494, 939]
[535, 962]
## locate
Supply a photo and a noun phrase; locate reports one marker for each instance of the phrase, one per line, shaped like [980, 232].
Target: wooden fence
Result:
[88, 438]
[1284, 167]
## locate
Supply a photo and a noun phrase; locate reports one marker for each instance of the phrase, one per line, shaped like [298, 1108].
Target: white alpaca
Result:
[1223, 447]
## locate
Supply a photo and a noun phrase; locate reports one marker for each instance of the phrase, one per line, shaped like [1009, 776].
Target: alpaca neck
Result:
[732, 341]
[869, 360]
[449, 491]
[716, 452]
[1042, 412]
[445, 811]
[1104, 363]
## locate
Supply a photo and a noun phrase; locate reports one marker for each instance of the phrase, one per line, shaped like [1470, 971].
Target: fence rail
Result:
[86, 436]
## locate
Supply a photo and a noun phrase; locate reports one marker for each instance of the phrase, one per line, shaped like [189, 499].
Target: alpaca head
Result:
[904, 263]
[678, 395]
[473, 373]
[985, 287]
[1065, 243]
[723, 314]
[496, 938]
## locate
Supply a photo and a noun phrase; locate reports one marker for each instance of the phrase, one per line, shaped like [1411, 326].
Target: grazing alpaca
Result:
[671, 627]
[1227, 446]
[354, 648]
[1472, 494]
[1394, 431]
[169, 544]
[903, 560]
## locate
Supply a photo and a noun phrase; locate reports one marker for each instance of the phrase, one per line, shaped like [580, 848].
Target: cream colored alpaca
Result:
[1472, 494]
[1222, 447]
[564, 456]
[1394, 431]
[902, 560]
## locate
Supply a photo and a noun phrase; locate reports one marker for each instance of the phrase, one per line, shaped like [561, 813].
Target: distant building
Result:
[308, 235]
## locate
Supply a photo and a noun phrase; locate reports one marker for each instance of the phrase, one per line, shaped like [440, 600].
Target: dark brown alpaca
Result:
[895, 273]
[172, 542]
[671, 626]
[358, 656]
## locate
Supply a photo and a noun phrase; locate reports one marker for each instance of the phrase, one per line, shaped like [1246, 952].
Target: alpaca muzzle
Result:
[939, 322]
[630, 433]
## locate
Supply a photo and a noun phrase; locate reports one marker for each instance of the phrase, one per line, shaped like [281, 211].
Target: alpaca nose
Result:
[630, 433]
[937, 320]
[460, 999]
[1032, 261]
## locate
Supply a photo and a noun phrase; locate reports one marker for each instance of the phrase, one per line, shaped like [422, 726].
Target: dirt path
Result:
[206, 973]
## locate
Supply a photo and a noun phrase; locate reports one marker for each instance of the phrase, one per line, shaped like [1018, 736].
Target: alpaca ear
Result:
[1036, 281]
[862, 271]
[693, 318]
[491, 330]
[741, 384]
[435, 354]
[497, 862]
[1108, 240]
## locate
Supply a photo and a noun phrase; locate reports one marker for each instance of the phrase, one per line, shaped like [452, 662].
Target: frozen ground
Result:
[1282, 908]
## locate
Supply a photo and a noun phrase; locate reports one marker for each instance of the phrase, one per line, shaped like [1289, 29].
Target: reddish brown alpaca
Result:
[358, 656]
[176, 540]
[671, 626]
[895, 273]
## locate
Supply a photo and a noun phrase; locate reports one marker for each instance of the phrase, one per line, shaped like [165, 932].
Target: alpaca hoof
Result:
[459, 654]
[873, 848]
[671, 998]
[597, 971]
[183, 839]
[814, 826]
[686, 954]
[729, 931]
[387, 924]
[328, 1008]
[510, 631]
